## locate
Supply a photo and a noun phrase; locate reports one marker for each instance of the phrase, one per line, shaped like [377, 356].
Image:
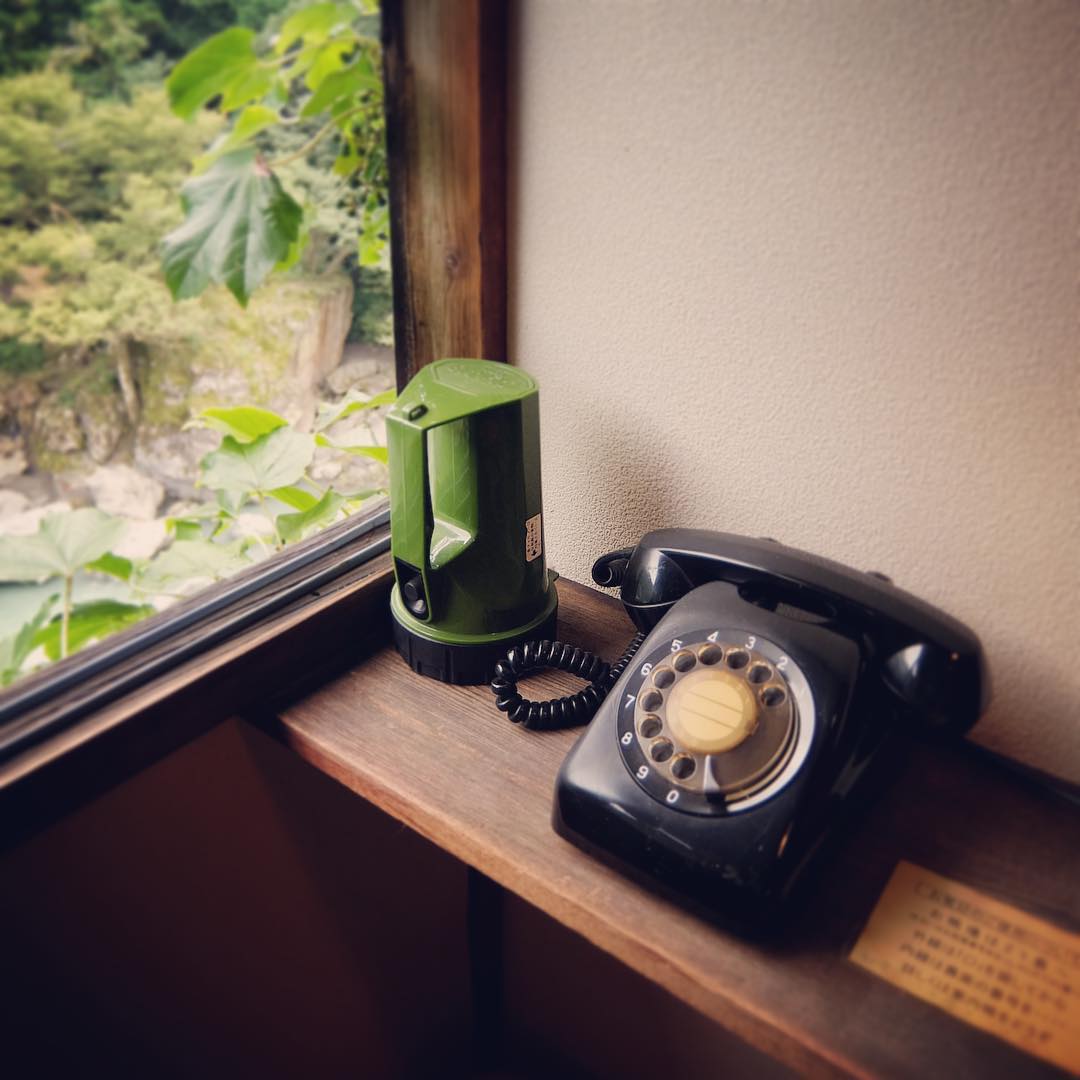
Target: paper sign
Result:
[983, 961]
[534, 545]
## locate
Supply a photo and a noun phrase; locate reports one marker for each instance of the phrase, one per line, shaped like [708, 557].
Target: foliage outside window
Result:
[156, 432]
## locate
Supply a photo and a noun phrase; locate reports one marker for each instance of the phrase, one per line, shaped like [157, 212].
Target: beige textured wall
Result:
[809, 270]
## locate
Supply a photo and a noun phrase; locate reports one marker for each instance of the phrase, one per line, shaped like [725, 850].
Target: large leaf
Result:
[244, 423]
[275, 460]
[15, 650]
[211, 69]
[63, 543]
[191, 564]
[240, 223]
[252, 84]
[90, 622]
[293, 527]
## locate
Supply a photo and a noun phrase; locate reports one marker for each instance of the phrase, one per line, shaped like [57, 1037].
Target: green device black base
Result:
[457, 662]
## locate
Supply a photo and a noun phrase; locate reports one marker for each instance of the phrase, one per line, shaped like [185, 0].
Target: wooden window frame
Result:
[445, 91]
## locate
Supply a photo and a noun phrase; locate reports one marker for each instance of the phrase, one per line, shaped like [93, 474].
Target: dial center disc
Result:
[711, 710]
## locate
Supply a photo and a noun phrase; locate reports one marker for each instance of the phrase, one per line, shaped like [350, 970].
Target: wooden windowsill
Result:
[442, 760]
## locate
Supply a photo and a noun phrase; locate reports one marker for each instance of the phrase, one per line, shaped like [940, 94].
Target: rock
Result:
[141, 539]
[351, 372]
[103, 420]
[357, 474]
[274, 354]
[320, 342]
[364, 428]
[122, 490]
[252, 524]
[38, 488]
[56, 428]
[11, 503]
[172, 458]
[326, 466]
[71, 486]
[26, 523]
[227, 386]
[12, 456]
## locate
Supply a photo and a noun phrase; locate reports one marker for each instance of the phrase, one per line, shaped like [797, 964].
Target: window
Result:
[153, 446]
[73, 729]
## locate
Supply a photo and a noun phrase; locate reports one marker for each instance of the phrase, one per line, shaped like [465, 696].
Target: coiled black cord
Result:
[568, 711]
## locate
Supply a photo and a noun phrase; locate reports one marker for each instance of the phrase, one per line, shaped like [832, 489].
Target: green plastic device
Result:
[466, 519]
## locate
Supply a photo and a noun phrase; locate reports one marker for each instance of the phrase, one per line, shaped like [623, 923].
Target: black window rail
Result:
[33, 710]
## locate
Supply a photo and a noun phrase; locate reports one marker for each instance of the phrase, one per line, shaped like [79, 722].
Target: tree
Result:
[85, 192]
[100, 29]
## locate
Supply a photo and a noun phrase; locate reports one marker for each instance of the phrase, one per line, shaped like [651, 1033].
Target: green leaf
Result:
[15, 650]
[248, 86]
[278, 459]
[248, 124]
[348, 161]
[63, 543]
[190, 525]
[314, 24]
[243, 422]
[373, 238]
[240, 223]
[210, 70]
[341, 84]
[328, 60]
[114, 565]
[296, 249]
[353, 402]
[90, 622]
[185, 528]
[191, 563]
[379, 453]
[296, 497]
[293, 527]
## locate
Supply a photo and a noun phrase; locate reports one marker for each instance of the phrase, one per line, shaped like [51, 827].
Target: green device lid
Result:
[449, 389]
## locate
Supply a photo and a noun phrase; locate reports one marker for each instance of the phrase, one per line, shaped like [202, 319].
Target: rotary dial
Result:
[712, 723]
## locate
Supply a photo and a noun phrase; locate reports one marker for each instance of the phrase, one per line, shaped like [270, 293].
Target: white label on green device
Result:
[534, 544]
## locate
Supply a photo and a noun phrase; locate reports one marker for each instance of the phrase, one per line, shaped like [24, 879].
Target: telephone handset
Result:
[764, 682]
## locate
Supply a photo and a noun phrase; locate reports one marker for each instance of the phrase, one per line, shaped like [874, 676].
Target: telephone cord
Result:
[568, 711]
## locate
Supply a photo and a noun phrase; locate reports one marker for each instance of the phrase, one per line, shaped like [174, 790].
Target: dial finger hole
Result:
[683, 661]
[661, 750]
[710, 655]
[682, 768]
[650, 727]
[663, 677]
[759, 673]
[651, 700]
[772, 696]
[737, 659]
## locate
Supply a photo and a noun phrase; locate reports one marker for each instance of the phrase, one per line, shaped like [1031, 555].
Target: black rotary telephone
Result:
[738, 723]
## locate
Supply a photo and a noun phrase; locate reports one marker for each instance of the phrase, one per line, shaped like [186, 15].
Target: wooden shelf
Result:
[442, 760]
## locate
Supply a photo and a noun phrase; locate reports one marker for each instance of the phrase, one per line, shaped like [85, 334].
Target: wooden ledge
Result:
[442, 760]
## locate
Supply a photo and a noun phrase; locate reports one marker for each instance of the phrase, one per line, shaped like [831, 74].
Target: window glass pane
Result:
[195, 330]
